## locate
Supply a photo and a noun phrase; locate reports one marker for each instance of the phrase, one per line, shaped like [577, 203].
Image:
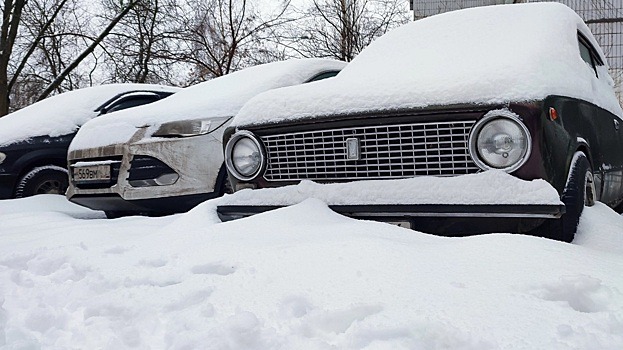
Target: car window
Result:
[131, 102]
[589, 54]
[323, 75]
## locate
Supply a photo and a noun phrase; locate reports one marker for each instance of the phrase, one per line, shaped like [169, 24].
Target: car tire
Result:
[579, 192]
[48, 179]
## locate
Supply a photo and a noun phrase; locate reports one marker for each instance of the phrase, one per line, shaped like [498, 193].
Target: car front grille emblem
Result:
[353, 151]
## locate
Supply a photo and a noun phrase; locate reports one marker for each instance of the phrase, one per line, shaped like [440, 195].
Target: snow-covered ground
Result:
[301, 277]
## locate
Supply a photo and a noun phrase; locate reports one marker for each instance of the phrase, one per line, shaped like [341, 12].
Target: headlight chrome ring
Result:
[244, 155]
[500, 140]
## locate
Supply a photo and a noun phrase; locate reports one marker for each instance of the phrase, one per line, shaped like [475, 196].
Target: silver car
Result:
[168, 156]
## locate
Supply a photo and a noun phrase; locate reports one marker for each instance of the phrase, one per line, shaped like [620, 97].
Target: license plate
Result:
[93, 173]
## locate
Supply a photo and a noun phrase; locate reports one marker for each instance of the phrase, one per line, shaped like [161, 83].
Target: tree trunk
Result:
[10, 21]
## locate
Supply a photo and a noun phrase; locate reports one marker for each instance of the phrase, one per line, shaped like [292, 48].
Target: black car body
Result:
[33, 153]
[536, 109]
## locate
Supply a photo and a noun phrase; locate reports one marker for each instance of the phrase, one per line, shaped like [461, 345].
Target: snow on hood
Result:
[221, 97]
[64, 113]
[485, 55]
[489, 187]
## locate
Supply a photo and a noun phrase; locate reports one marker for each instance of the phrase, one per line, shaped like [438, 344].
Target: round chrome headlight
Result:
[500, 141]
[243, 155]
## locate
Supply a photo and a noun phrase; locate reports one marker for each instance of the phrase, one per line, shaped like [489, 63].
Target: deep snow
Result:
[301, 277]
[480, 188]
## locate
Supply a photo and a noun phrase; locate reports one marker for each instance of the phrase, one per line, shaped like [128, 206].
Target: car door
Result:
[608, 140]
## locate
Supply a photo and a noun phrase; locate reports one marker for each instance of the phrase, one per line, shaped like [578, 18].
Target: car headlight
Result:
[244, 156]
[500, 141]
[186, 128]
[2, 157]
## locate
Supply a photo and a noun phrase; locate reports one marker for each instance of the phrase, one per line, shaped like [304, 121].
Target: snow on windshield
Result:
[64, 113]
[485, 55]
[220, 97]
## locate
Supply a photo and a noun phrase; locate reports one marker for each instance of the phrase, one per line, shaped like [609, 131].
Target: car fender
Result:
[55, 156]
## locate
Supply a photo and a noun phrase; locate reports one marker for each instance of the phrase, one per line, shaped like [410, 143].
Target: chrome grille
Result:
[389, 151]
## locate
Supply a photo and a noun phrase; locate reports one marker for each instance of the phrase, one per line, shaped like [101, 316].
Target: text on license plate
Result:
[92, 173]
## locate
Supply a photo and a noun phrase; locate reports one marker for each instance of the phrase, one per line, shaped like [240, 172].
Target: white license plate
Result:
[93, 173]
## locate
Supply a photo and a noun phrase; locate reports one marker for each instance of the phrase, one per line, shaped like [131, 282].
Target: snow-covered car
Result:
[34, 139]
[521, 88]
[167, 157]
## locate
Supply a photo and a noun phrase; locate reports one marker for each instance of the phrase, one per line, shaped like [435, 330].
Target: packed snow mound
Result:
[489, 187]
[220, 97]
[301, 277]
[64, 113]
[48, 203]
[484, 55]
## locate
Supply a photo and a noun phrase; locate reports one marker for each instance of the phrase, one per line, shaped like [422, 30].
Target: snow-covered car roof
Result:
[220, 97]
[64, 113]
[484, 55]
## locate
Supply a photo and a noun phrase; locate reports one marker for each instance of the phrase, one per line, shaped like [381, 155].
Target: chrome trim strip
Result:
[457, 215]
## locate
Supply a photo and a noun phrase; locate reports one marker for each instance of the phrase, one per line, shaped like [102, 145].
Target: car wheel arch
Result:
[25, 166]
[52, 177]
[584, 149]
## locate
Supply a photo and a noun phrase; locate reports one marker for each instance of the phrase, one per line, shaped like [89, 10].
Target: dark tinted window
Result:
[131, 102]
[324, 75]
[589, 54]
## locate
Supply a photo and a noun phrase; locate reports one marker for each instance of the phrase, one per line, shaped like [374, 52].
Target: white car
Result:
[168, 156]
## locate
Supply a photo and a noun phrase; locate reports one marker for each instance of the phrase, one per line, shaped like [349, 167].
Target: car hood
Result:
[216, 98]
[486, 55]
[63, 114]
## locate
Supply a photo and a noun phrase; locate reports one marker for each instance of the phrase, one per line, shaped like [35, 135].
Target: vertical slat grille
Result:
[392, 151]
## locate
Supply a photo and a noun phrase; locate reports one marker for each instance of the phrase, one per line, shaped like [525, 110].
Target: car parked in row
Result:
[34, 140]
[167, 157]
[521, 88]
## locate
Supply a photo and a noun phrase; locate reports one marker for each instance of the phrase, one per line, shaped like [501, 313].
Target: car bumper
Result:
[197, 161]
[154, 206]
[7, 184]
[446, 219]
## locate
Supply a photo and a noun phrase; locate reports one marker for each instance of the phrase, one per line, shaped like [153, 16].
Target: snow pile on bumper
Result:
[490, 187]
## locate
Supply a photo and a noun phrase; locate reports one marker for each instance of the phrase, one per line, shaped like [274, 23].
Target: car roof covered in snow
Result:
[219, 97]
[484, 55]
[64, 113]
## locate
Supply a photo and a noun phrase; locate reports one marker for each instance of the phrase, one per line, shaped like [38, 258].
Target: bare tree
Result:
[225, 35]
[52, 33]
[142, 47]
[342, 28]
[86, 52]
[11, 16]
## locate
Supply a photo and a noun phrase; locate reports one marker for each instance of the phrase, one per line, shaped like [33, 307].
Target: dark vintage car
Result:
[35, 139]
[520, 88]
